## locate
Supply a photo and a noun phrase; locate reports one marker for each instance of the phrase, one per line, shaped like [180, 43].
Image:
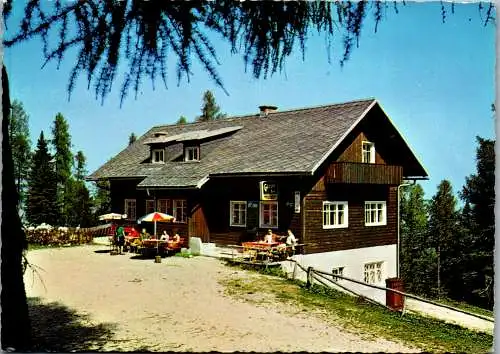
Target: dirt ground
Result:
[177, 305]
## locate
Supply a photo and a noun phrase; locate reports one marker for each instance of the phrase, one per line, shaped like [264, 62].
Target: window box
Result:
[335, 215]
[375, 213]
[238, 213]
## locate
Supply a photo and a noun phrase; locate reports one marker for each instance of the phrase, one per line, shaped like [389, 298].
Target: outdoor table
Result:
[153, 242]
[259, 245]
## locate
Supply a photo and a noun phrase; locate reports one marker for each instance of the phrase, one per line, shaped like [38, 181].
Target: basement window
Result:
[337, 271]
[373, 273]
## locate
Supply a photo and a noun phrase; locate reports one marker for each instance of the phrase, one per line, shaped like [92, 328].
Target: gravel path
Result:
[179, 305]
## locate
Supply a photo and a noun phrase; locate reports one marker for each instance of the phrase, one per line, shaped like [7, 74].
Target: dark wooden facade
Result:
[356, 235]
[216, 198]
[356, 172]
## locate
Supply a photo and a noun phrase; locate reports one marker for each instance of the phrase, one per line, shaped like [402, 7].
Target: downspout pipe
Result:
[398, 245]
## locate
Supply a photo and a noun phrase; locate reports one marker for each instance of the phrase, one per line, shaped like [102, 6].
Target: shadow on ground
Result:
[102, 251]
[57, 328]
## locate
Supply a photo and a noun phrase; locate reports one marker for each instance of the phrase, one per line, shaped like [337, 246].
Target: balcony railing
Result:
[351, 172]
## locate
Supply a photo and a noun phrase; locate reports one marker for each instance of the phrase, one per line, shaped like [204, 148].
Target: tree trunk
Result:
[15, 317]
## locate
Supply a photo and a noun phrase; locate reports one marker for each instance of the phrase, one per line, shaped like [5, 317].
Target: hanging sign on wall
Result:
[297, 201]
[268, 190]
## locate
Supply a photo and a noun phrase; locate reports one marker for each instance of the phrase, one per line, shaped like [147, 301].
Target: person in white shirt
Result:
[291, 240]
[269, 237]
[164, 236]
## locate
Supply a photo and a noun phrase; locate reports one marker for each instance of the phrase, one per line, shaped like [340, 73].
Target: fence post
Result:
[294, 270]
[309, 277]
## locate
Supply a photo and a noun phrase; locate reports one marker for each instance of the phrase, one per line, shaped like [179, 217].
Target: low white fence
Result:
[377, 295]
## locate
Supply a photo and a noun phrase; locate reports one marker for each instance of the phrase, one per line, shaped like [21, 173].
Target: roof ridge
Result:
[325, 105]
[248, 116]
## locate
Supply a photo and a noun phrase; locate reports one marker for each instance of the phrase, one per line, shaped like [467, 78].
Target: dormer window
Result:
[367, 152]
[192, 153]
[158, 155]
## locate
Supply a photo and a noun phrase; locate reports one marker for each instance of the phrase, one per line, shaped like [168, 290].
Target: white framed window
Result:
[192, 153]
[180, 210]
[269, 214]
[129, 209]
[335, 215]
[238, 210]
[163, 205]
[367, 152]
[150, 206]
[375, 213]
[337, 271]
[374, 273]
[158, 155]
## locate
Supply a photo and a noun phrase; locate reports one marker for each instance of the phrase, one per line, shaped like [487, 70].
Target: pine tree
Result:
[265, 33]
[132, 138]
[61, 141]
[21, 149]
[478, 222]
[102, 198]
[41, 204]
[181, 120]
[210, 110]
[80, 212]
[418, 258]
[444, 234]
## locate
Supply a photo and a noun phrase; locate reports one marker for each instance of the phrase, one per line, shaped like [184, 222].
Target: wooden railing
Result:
[331, 280]
[352, 172]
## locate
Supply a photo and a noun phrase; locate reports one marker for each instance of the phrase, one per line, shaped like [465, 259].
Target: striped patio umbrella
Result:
[156, 216]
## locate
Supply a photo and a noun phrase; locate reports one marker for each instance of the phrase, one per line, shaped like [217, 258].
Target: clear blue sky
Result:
[435, 81]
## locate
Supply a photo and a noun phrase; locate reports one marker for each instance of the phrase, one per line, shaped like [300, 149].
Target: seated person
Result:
[164, 236]
[268, 238]
[145, 235]
[291, 240]
[176, 238]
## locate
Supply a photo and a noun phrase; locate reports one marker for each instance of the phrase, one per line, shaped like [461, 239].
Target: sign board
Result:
[268, 190]
[297, 201]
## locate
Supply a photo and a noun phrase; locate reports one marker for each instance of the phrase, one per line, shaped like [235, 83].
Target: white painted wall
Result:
[353, 261]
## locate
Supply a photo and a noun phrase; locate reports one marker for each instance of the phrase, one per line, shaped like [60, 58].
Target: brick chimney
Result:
[265, 110]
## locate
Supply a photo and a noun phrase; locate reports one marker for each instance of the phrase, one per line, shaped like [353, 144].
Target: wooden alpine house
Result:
[329, 173]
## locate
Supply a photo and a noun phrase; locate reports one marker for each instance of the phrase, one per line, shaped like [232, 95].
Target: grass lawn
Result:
[467, 307]
[424, 333]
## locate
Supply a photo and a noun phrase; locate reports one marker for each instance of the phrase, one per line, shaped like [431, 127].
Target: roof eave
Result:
[259, 174]
[166, 187]
[426, 174]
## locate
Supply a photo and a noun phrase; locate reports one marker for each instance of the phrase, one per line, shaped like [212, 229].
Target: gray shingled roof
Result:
[283, 142]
